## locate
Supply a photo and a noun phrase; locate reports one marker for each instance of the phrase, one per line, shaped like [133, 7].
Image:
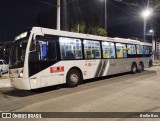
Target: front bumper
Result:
[17, 83]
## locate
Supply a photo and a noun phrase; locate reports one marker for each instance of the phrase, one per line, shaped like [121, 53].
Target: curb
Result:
[5, 84]
[3, 89]
[156, 64]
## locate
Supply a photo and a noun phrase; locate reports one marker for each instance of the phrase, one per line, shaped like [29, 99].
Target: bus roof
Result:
[85, 36]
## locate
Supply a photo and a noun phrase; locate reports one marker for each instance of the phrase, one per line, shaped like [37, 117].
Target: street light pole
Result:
[58, 15]
[153, 44]
[146, 14]
[106, 16]
[144, 29]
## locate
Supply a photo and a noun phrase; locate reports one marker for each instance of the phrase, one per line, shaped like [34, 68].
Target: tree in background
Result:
[79, 27]
[96, 30]
[101, 31]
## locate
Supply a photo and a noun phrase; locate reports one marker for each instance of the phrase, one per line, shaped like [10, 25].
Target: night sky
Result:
[123, 19]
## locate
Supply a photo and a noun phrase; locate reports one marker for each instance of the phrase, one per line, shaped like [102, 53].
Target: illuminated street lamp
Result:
[146, 14]
[151, 31]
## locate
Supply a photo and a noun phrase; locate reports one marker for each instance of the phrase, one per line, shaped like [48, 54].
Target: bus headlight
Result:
[21, 74]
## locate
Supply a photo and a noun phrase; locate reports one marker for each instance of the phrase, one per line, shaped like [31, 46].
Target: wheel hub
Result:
[74, 78]
[134, 69]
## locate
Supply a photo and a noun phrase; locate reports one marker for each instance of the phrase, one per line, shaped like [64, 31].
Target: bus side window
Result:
[146, 50]
[138, 49]
[131, 49]
[121, 50]
[51, 51]
[70, 48]
[108, 50]
[45, 50]
[92, 49]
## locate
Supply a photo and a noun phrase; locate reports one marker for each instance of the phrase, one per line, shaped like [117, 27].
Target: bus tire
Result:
[73, 78]
[1, 73]
[134, 68]
[140, 67]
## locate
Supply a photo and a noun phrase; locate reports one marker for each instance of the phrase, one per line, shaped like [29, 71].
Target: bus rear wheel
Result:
[140, 67]
[73, 78]
[134, 68]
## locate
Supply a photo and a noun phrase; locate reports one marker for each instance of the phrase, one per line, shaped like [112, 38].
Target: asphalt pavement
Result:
[119, 93]
[5, 81]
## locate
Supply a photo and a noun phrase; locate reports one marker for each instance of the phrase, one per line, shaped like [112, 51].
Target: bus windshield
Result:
[17, 54]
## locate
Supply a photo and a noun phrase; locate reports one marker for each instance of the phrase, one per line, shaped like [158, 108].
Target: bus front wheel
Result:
[134, 68]
[73, 78]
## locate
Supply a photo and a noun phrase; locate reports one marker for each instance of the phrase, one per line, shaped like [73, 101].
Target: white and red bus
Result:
[42, 57]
